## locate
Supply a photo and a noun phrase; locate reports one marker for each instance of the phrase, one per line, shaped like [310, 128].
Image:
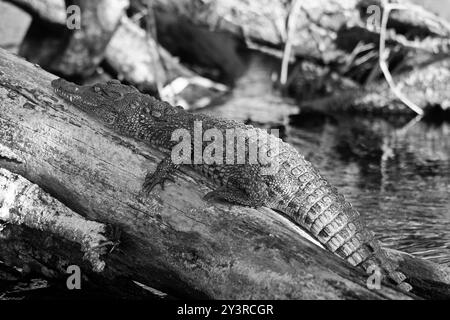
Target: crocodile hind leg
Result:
[165, 170]
[233, 195]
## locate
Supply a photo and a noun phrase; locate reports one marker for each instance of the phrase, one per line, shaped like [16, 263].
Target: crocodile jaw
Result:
[72, 92]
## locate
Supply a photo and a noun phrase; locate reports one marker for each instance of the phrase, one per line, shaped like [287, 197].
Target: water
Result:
[397, 174]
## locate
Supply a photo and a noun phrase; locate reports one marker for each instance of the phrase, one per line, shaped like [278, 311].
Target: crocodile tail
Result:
[326, 215]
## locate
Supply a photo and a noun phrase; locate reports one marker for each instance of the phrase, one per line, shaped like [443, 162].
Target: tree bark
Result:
[76, 47]
[172, 240]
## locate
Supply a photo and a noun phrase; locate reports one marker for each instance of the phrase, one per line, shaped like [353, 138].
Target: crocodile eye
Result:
[113, 94]
[156, 114]
[97, 89]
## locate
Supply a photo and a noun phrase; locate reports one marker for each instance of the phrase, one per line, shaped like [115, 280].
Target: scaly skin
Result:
[292, 185]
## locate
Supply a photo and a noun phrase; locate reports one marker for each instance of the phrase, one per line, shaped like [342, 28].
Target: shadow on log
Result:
[173, 240]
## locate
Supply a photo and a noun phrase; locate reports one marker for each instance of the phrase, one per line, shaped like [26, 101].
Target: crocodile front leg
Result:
[165, 170]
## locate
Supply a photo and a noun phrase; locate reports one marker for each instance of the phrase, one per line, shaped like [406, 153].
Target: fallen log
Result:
[43, 237]
[52, 11]
[76, 47]
[109, 36]
[124, 45]
[343, 36]
[319, 89]
[320, 30]
[23, 203]
[324, 30]
[128, 53]
[173, 240]
[328, 23]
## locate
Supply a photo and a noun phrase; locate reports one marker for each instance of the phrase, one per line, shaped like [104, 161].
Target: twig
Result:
[291, 24]
[372, 75]
[382, 58]
[409, 125]
[138, 16]
[153, 39]
[388, 7]
[429, 44]
[8, 45]
[180, 83]
[351, 58]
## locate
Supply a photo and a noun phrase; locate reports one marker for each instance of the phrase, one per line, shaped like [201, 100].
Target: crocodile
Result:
[283, 181]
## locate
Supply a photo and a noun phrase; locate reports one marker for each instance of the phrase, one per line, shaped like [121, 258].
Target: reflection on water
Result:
[397, 176]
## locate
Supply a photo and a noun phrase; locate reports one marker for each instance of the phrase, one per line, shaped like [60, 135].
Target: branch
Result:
[383, 56]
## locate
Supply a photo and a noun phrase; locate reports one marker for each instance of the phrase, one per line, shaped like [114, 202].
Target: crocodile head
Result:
[102, 100]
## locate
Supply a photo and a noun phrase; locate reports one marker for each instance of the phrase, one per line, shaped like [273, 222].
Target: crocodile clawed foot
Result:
[152, 180]
[113, 234]
[163, 172]
[211, 196]
[150, 183]
[220, 194]
[231, 195]
[405, 287]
